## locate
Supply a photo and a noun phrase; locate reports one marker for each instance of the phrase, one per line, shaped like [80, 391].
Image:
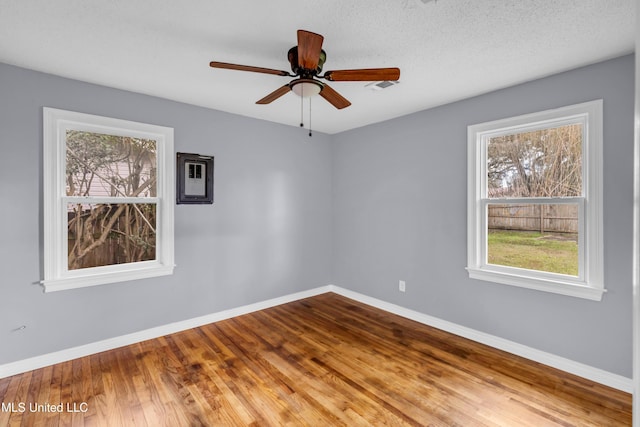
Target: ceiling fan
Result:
[307, 59]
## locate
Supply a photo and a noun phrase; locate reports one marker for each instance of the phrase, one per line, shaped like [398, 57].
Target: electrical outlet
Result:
[402, 286]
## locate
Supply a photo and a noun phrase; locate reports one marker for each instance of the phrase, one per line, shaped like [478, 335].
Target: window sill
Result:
[94, 279]
[556, 286]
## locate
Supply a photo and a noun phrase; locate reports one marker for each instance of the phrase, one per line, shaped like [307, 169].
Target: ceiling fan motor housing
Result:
[292, 56]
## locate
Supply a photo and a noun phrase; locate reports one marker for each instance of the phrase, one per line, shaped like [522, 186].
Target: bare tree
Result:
[542, 163]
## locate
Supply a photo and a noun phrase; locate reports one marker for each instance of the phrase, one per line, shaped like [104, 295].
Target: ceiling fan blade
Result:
[334, 97]
[275, 95]
[309, 48]
[363, 75]
[227, 66]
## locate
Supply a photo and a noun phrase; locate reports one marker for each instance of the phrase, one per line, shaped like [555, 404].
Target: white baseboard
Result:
[585, 371]
[594, 374]
[37, 362]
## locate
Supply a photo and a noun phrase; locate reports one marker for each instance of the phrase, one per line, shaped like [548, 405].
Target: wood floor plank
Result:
[257, 375]
[299, 400]
[325, 360]
[391, 396]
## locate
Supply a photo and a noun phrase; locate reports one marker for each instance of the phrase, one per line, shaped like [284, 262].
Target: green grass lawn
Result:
[556, 253]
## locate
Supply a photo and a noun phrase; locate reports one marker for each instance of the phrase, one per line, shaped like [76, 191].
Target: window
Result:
[108, 200]
[535, 201]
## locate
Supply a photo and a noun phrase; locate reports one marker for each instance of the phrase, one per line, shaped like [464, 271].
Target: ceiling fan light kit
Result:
[307, 60]
[306, 88]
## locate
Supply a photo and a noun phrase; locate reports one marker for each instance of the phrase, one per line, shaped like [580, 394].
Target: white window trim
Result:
[590, 282]
[57, 277]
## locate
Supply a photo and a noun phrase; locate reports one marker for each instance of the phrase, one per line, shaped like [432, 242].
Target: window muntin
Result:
[539, 172]
[108, 200]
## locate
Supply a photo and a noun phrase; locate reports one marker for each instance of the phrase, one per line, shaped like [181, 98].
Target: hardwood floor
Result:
[320, 361]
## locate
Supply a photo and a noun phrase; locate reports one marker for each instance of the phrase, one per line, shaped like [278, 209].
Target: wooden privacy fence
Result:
[560, 218]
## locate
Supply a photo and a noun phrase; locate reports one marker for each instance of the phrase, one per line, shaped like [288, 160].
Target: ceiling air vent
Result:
[381, 85]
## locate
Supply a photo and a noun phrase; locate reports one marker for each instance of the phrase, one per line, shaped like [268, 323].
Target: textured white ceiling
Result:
[446, 49]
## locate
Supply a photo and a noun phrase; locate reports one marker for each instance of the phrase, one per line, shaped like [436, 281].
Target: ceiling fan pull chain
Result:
[310, 118]
[302, 109]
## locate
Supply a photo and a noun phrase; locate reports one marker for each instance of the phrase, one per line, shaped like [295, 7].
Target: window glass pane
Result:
[109, 234]
[542, 237]
[542, 163]
[102, 165]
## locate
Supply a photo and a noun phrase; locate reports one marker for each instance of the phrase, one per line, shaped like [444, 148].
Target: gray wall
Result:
[361, 209]
[400, 200]
[267, 234]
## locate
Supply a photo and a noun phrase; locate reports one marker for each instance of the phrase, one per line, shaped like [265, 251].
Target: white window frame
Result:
[589, 283]
[57, 276]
